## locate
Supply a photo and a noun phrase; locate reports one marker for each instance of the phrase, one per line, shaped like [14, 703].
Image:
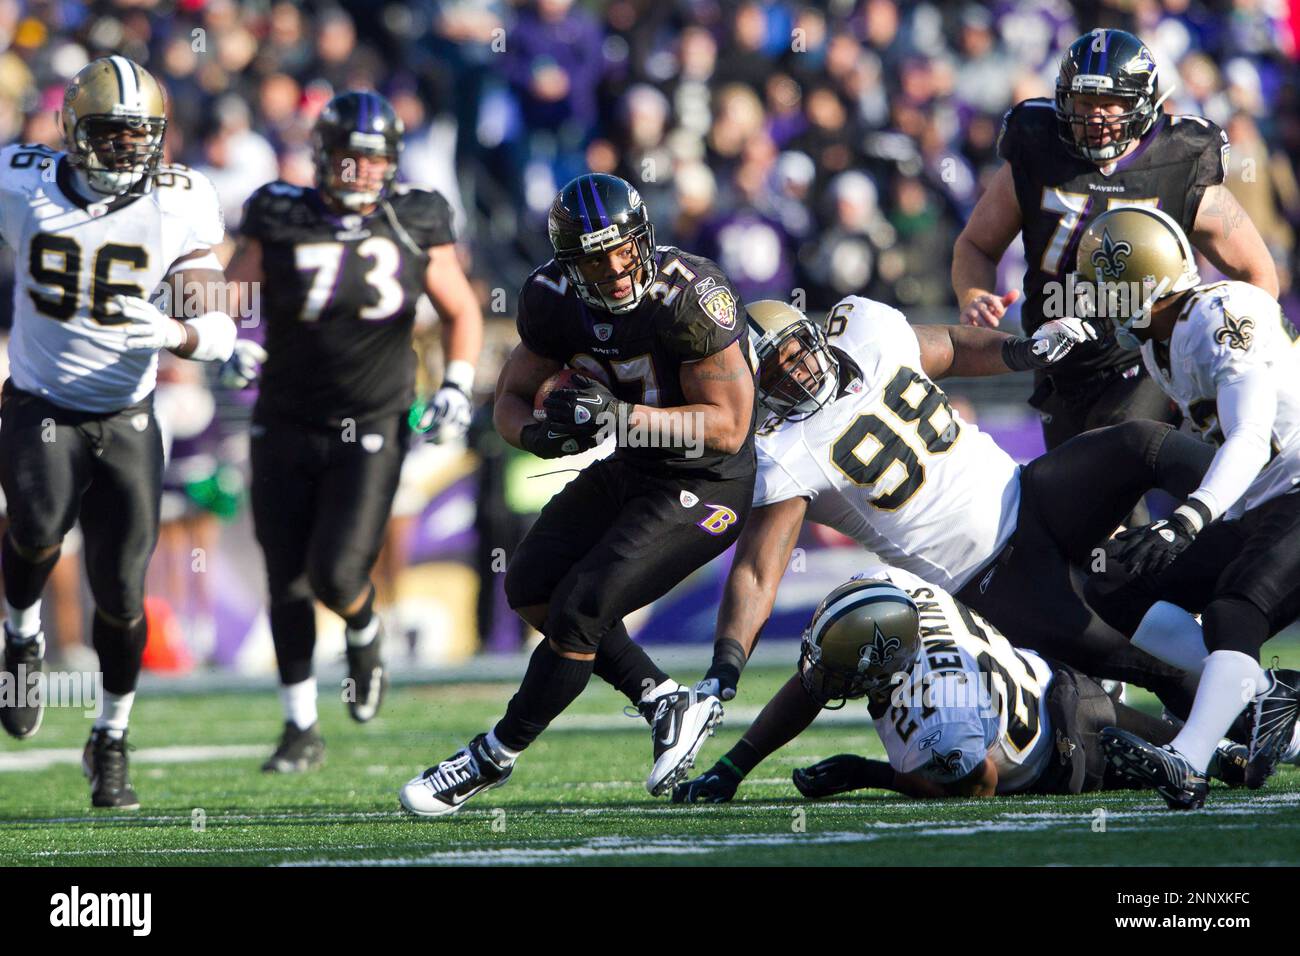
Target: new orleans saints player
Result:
[960, 711]
[342, 266]
[861, 439]
[1102, 141]
[1231, 551]
[661, 335]
[96, 229]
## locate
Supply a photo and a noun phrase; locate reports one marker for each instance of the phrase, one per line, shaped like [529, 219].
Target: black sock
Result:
[623, 664]
[741, 758]
[120, 650]
[293, 629]
[360, 620]
[24, 579]
[550, 684]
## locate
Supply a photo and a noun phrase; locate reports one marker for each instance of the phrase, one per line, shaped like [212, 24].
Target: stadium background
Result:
[812, 149]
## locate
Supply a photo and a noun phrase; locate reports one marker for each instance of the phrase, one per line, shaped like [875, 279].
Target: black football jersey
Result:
[338, 297]
[690, 311]
[1060, 194]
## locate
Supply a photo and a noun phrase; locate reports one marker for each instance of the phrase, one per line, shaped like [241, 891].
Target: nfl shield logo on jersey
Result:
[603, 330]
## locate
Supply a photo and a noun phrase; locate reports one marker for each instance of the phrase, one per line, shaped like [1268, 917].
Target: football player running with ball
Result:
[347, 262]
[960, 710]
[660, 336]
[1103, 141]
[95, 230]
[1231, 551]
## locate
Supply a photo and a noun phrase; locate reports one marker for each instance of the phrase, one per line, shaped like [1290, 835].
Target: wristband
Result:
[459, 374]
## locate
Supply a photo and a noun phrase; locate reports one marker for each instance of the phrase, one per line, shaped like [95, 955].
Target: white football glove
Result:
[244, 365]
[446, 419]
[146, 327]
[1052, 341]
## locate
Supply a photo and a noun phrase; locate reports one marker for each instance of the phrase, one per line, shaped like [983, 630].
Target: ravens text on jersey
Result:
[689, 312]
[339, 300]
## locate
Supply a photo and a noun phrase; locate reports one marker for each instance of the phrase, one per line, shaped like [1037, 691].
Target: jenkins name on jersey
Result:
[690, 311]
[340, 299]
[71, 256]
[890, 463]
[970, 695]
[1060, 193]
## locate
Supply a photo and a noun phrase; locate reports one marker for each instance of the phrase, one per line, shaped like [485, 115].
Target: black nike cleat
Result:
[1229, 763]
[680, 721]
[1147, 766]
[104, 763]
[1272, 724]
[838, 774]
[298, 750]
[22, 705]
[444, 788]
[369, 680]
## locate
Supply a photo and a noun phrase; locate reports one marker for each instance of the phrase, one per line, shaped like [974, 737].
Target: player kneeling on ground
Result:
[961, 712]
[1231, 551]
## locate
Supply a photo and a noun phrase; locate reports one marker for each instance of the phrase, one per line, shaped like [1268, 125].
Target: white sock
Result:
[667, 687]
[24, 622]
[299, 702]
[503, 755]
[364, 636]
[115, 714]
[1230, 681]
[1170, 634]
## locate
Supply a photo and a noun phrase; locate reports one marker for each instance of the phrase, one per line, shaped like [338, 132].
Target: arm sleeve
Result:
[947, 752]
[1211, 166]
[428, 217]
[774, 484]
[534, 319]
[706, 322]
[207, 224]
[1247, 406]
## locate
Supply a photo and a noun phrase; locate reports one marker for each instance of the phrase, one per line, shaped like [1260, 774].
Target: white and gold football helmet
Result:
[114, 116]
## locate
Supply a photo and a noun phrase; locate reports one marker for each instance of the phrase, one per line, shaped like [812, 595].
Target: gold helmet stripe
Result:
[127, 84]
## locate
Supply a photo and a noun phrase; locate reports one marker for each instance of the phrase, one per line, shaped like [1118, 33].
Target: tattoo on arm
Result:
[1227, 208]
[717, 361]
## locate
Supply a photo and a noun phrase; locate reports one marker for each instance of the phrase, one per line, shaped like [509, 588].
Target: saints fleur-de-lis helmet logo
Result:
[1236, 333]
[880, 651]
[1111, 258]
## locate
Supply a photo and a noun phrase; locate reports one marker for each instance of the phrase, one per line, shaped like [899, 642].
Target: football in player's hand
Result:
[561, 379]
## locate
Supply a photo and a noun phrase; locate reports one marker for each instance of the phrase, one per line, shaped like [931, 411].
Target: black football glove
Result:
[1150, 549]
[581, 409]
[716, 785]
[547, 442]
[838, 774]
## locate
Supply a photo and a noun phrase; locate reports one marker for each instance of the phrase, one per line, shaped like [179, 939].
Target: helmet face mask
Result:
[798, 374]
[604, 242]
[1115, 71]
[114, 120]
[352, 127]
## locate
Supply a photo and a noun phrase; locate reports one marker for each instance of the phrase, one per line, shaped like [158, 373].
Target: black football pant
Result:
[1242, 577]
[614, 540]
[1071, 500]
[1068, 408]
[58, 466]
[321, 499]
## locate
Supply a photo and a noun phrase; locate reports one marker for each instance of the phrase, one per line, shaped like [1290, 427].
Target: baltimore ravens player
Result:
[1231, 551]
[960, 711]
[96, 229]
[342, 266]
[861, 439]
[1102, 141]
[661, 335]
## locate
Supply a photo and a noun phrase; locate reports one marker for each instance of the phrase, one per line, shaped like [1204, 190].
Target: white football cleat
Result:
[444, 788]
[680, 721]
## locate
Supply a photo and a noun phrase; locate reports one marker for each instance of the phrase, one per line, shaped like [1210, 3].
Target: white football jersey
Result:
[1224, 329]
[71, 256]
[890, 463]
[971, 695]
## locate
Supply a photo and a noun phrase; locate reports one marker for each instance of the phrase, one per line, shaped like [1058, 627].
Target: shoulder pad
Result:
[269, 206]
[424, 213]
[21, 160]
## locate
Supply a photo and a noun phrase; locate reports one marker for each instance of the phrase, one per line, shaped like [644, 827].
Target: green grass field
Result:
[576, 798]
